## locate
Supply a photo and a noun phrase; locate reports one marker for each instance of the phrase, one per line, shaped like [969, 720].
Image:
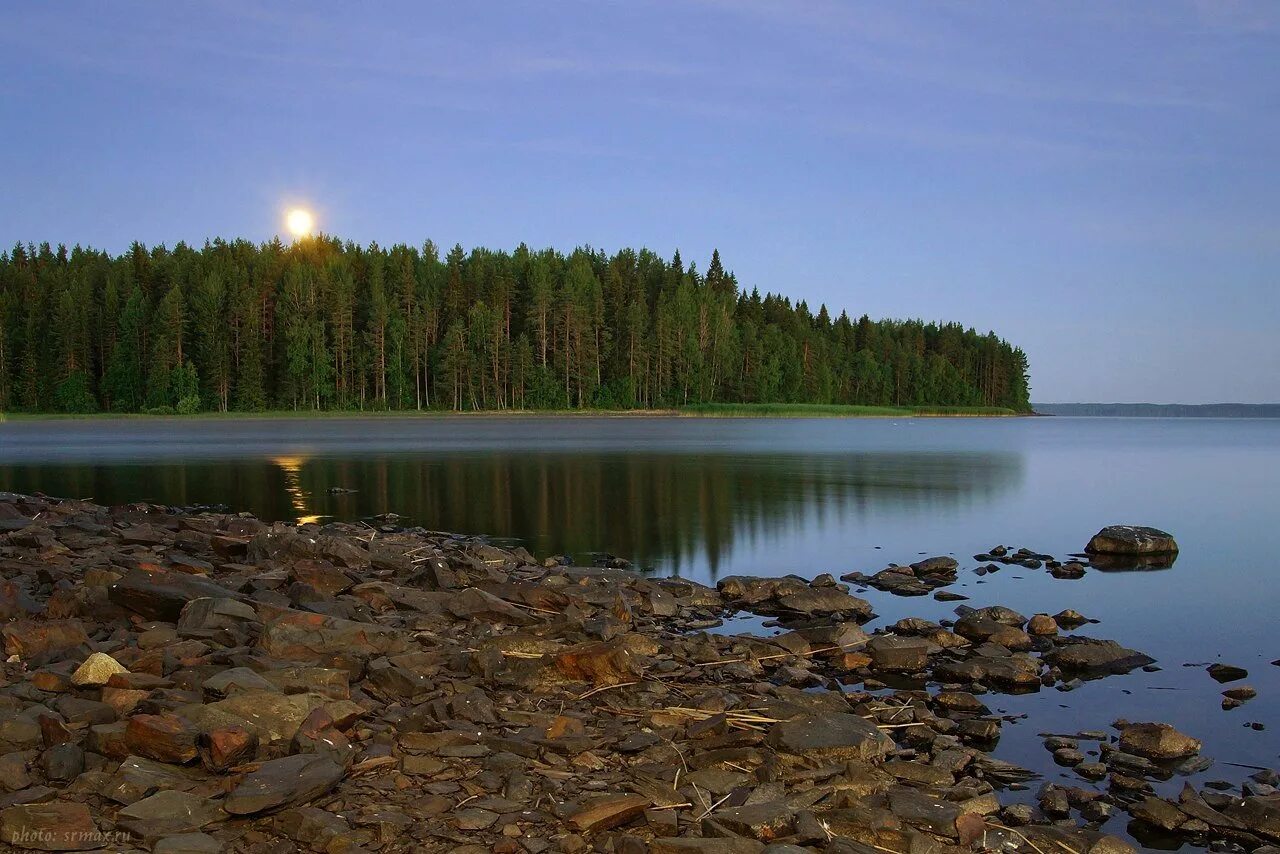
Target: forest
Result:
[322, 324]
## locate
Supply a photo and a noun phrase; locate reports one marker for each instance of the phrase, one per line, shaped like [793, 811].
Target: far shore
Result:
[725, 410]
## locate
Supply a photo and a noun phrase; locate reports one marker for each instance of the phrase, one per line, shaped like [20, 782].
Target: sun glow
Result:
[300, 222]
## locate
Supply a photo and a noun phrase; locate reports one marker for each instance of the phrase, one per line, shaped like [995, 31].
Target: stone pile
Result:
[193, 681]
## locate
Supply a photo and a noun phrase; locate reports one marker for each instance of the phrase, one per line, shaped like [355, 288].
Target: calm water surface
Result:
[709, 498]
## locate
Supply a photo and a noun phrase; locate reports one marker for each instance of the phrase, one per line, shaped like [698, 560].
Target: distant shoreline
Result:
[1160, 410]
[727, 410]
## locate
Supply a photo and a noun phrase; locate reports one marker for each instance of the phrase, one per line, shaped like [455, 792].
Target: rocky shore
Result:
[187, 680]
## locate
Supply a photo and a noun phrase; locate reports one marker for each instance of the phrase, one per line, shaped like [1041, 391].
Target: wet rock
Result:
[1157, 741]
[1042, 625]
[899, 654]
[1226, 672]
[290, 781]
[1012, 671]
[1131, 540]
[1158, 813]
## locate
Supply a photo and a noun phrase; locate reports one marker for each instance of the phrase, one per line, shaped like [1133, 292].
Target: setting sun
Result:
[300, 222]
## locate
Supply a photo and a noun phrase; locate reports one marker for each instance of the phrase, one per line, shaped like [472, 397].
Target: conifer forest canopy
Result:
[322, 324]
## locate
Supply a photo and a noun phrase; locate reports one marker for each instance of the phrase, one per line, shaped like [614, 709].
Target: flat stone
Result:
[609, 813]
[1157, 741]
[188, 843]
[694, 845]
[898, 654]
[830, 737]
[1091, 656]
[162, 595]
[287, 782]
[763, 821]
[53, 826]
[167, 813]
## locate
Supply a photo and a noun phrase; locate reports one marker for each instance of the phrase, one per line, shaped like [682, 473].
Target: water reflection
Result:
[664, 510]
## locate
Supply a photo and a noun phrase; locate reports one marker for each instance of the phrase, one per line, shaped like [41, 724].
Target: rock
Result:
[1042, 625]
[893, 653]
[39, 642]
[476, 604]
[1157, 741]
[188, 843]
[204, 616]
[696, 845]
[830, 737]
[54, 826]
[290, 781]
[824, 600]
[306, 637]
[764, 821]
[167, 813]
[166, 738]
[1241, 693]
[1158, 813]
[609, 813]
[1260, 814]
[1226, 672]
[603, 663]
[1091, 657]
[223, 748]
[96, 671]
[1131, 540]
[162, 595]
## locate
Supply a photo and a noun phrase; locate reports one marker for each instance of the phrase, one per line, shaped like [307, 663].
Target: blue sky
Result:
[1098, 182]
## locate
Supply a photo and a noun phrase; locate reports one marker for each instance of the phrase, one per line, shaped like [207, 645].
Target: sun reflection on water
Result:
[299, 498]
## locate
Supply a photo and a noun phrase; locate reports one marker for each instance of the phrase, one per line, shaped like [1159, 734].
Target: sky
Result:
[1098, 182]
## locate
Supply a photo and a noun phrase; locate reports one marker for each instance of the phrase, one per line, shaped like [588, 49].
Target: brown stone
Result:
[601, 663]
[165, 738]
[1157, 741]
[39, 642]
[610, 813]
[225, 747]
[55, 826]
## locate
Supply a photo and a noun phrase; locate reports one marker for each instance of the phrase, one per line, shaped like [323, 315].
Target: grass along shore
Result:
[701, 410]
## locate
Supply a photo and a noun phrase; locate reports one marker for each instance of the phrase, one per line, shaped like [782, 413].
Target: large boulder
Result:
[1131, 540]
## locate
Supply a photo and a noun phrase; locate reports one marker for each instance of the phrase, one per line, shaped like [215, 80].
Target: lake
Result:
[706, 498]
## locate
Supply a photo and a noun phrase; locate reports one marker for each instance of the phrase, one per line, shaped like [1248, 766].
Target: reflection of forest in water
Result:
[654, 508]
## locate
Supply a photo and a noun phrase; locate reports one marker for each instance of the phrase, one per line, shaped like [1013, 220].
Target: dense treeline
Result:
[322, 324]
